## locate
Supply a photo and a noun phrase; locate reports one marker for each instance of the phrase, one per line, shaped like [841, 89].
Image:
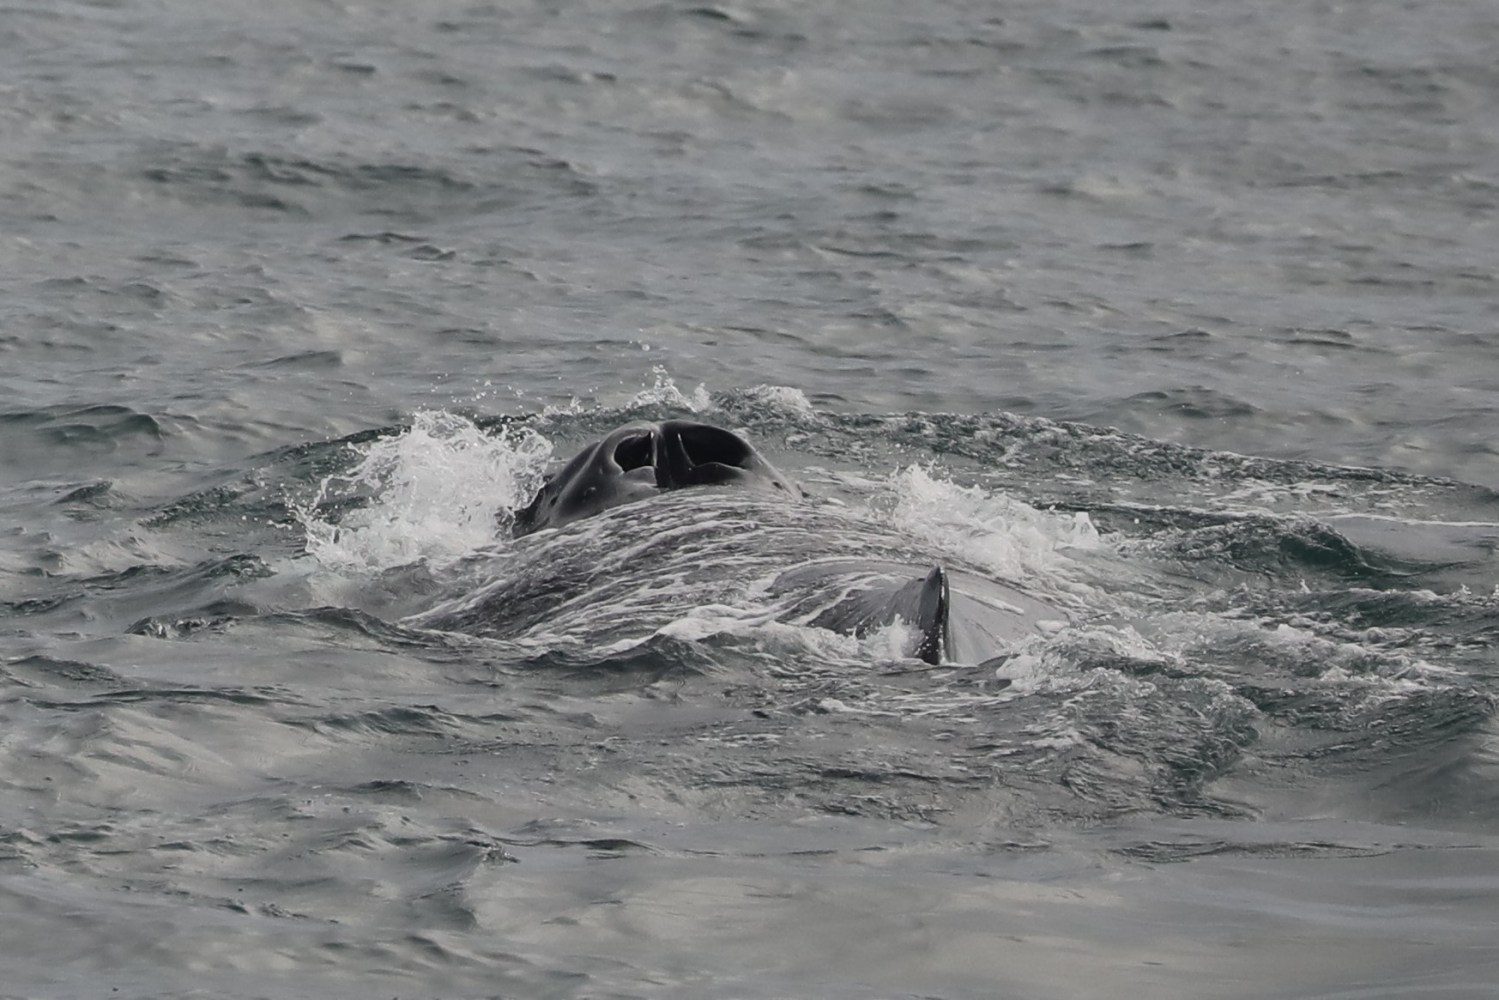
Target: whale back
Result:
[954, 616]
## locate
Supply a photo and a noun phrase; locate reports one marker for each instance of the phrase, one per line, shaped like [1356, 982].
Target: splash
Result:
[665, 393]
[770, 402]
[572, 408]
[784, 398]
[436, 492]
[1001, 535]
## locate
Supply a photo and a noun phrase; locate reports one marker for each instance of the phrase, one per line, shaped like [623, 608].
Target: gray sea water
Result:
[1178, 316]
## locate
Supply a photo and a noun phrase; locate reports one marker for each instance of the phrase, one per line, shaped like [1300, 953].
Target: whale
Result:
[642, 459]
[952, 615]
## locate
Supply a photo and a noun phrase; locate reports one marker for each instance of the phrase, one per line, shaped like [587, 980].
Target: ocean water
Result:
[1178, 318]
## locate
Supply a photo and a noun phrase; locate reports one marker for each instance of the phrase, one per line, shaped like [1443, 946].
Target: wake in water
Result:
[1228, 631]
[1179, 662]
[643, 563]
[327, 696]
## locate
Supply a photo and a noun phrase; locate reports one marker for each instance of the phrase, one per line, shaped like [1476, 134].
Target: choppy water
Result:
[1176, 317]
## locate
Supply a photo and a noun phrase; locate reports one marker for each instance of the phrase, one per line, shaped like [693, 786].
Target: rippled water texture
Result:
[1173, 317]
[1264, 229]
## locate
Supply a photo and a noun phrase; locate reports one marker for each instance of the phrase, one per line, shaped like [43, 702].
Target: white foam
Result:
[1297, 649]
[665, 393]
[437, 491]
[784, 399]
[997, 533]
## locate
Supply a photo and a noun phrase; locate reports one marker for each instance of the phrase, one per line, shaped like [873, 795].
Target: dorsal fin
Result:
[931, 616]
[921, 603]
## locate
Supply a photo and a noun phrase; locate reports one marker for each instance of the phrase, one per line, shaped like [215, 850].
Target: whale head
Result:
[640, 460]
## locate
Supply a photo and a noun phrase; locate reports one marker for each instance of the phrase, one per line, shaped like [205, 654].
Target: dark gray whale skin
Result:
[641, 459]
[637, 461]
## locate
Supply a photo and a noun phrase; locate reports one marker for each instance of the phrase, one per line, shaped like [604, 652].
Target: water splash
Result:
[436, 492]
[999, 534]
[664, 392]
[784, 399]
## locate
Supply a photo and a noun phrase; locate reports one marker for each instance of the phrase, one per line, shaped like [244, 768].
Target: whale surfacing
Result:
[641, 459]
[954, 616]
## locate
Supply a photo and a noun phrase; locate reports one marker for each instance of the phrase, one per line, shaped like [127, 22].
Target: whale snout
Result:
[638, 460]
[693, 454]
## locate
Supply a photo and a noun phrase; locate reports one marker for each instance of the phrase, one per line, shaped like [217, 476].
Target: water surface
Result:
[1176, 318]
